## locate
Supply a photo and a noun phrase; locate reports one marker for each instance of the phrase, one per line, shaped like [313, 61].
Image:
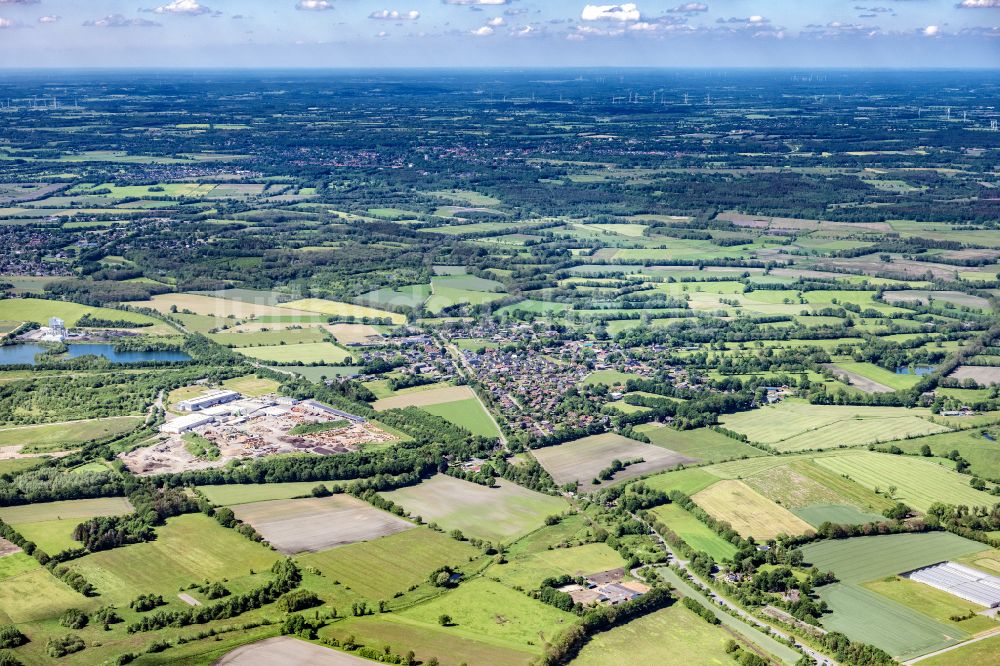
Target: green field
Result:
[35, 595]
[871, 618]
[410, 296]
[982, 453]
[449, 647]
[800, 481]
[474, 344]
[380, 568]
[918, 482]
[52, 536]
[60, 436]
[535, 307]
[16, 564]
[687, 481]
[838, 514]
[468, 414]
[681, 637]
[189, 548]
[317, 373]
[694, 532]
[310, 352]
[980, 653]
[864, 559]
[702, 443]
[795, 426]
[934, 603]
[866, 616]
[609, 377]
[445, 297]
[497, 514]
[251, 385]
[40, 310]
[801, 484]
[878, 374]
[530, 570]
[232, 494]
[489, 612]
[77, 510]
[269, 338]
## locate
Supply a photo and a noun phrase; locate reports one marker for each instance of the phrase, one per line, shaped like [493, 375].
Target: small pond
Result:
[919, 370]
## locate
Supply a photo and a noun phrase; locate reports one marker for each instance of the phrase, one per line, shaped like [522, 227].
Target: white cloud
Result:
[6, 23]
[393, 15]
[979, 4]
[749, 20]
[496, 21]
[628, 11]
[119, 21]
[484, 31]
[689, 8]
[931, 31]
[51, 18]
[313, 5]
[189, 7]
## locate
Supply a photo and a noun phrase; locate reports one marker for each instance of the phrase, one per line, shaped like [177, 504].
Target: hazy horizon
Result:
[197, 34]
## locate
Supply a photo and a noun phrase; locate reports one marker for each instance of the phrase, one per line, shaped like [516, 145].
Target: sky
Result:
[499, 33]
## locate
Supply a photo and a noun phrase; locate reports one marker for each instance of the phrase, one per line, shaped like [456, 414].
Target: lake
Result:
[24, 354]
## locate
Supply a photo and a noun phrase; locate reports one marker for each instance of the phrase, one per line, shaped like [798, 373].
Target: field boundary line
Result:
[976, 639]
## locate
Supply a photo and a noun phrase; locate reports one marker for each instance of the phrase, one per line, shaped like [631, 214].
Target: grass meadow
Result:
[468, 414]
[529, 571]
[60, 436]
[376, 570]
[306, 353]
[795, 425]
[702, 443]
[681, 638]
[502, 513]
[918, 482]
[40, 310]
[694, 532]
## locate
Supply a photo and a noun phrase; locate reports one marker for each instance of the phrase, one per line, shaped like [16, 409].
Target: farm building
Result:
[185, 423]
[207, 400]
[961, 581]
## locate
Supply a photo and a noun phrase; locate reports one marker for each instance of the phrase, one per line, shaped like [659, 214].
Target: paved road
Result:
[752, 620]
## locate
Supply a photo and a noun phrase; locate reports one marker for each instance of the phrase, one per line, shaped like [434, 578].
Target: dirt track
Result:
[288, 651]
[858, 381]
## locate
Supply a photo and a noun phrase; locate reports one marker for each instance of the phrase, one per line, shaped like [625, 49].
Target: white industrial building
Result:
[962, 581]
[183, 424]
[209, 399]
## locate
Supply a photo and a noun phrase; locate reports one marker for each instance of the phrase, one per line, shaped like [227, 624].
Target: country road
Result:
[747, 618]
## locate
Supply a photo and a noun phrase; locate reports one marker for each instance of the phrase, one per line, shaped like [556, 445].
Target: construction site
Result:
[245, 428]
